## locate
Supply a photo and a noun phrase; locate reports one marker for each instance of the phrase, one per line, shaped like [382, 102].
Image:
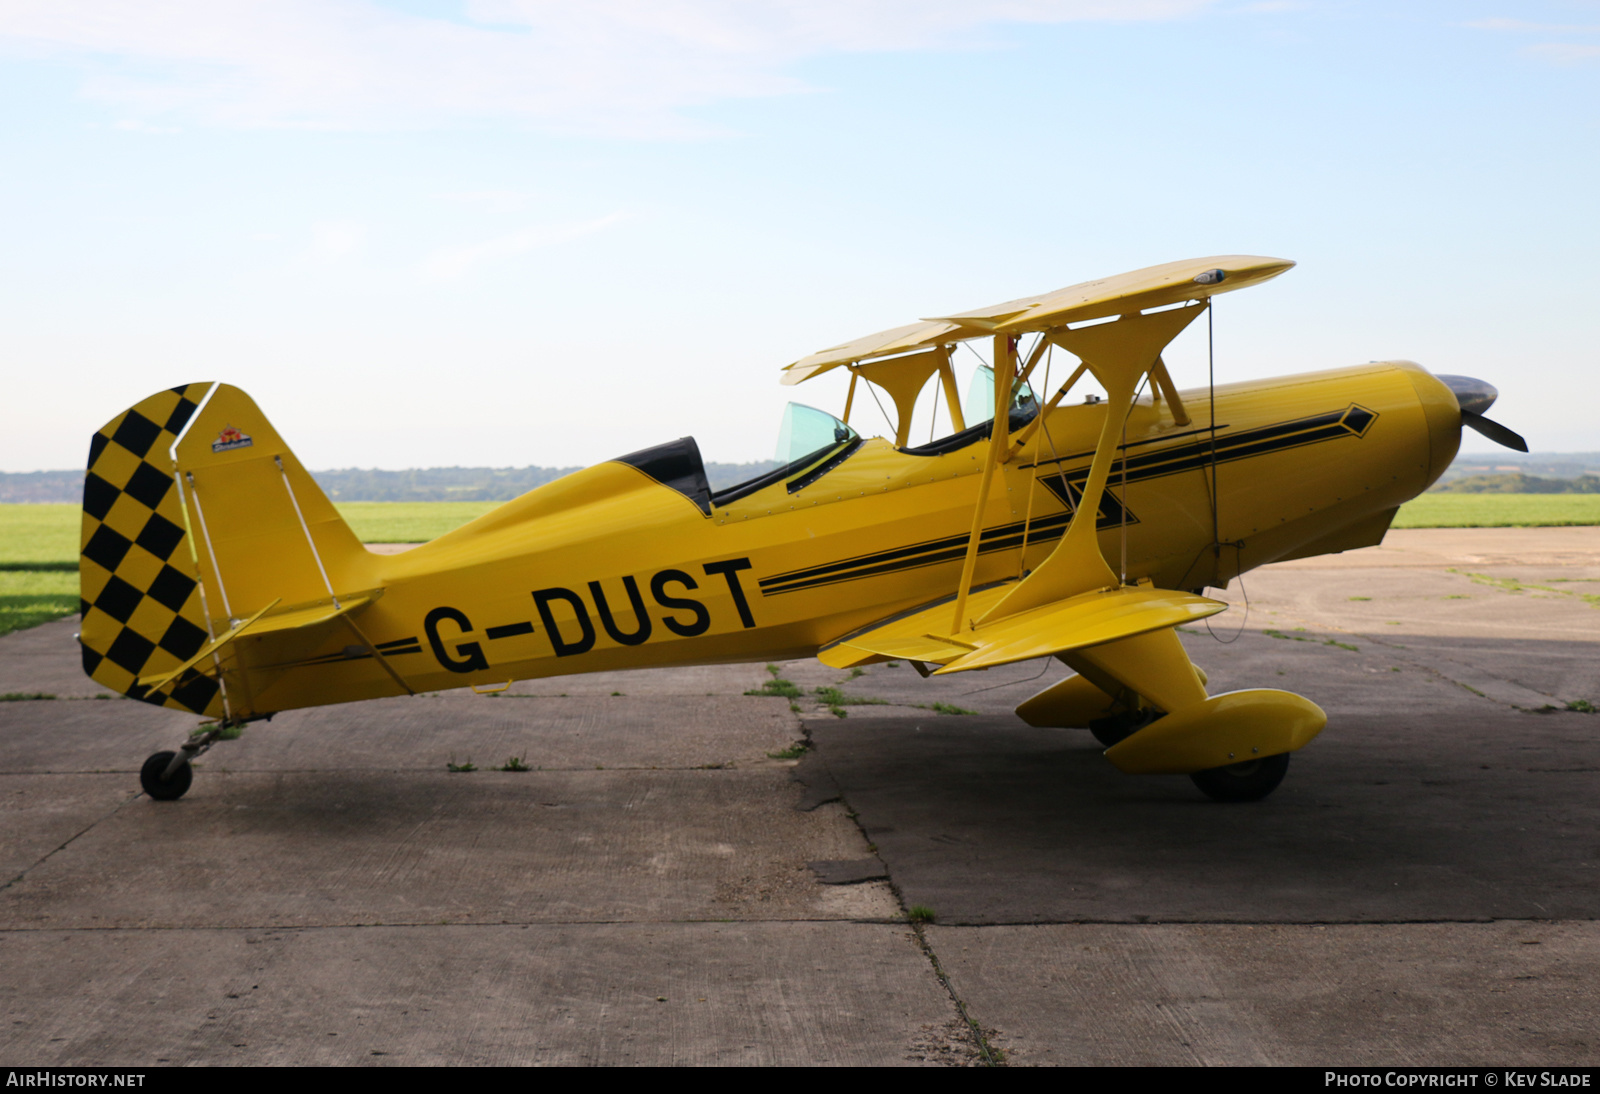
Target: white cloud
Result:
[333, 241]
[1564, 53]
[1523, 26]
[136, 125]
[491, 201]
[612, 66]
[454, 263]
[1560, 53]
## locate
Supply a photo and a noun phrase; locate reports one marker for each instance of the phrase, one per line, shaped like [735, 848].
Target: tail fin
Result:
[196, 515]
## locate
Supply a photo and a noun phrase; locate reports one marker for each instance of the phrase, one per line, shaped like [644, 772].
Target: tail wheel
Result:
[1247, 782]
[166, 789]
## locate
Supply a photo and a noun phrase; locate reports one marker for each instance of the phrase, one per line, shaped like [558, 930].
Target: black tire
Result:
[1116, 728]
[1247, 782]
[165, 790]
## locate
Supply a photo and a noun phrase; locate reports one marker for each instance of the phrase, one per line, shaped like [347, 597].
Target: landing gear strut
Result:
[166, 776]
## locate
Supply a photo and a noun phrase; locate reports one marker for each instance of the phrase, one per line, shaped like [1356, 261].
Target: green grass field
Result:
[39, 549]
[39, 543]
[1499, 511]
[37, 534]
[31, 597]
[409, 521]
[38, 564]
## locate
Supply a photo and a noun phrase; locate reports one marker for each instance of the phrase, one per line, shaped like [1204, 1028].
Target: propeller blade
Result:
[1496, 432]
[1471, 394]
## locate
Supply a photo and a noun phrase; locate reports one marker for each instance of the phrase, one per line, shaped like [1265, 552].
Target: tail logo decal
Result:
[229, 439]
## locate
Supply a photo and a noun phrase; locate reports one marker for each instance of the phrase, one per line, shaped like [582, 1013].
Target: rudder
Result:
[139, 592]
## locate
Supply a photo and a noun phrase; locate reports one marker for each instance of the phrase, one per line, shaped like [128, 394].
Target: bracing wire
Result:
[885, 413]
[1013, 683]
[1243, 592]
[1067, 496]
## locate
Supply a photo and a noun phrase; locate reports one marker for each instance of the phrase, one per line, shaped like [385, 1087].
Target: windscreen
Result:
[807, 430]
[980, 396]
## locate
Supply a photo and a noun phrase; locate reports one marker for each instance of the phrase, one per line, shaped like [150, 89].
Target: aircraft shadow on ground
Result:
[986, 820]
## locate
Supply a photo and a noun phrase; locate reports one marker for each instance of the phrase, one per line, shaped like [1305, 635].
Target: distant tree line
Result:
[361, 484]
[435, 483]
[1570, 474]
[1516, 483]
[480, 483]
[41, 486]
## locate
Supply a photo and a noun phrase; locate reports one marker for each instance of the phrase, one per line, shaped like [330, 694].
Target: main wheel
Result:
[1115, 728]
[1247, 782]
[165, 790]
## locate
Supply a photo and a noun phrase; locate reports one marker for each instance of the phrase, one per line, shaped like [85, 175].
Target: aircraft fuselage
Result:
[610, 569]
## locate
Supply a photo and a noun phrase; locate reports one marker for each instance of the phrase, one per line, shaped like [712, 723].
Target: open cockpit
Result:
[918, 396]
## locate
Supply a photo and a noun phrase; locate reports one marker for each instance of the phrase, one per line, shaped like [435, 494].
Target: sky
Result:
[509, 232]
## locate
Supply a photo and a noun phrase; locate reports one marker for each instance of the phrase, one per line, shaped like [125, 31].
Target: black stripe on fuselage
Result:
[999, 538]
[392, 648]
[1353, 420]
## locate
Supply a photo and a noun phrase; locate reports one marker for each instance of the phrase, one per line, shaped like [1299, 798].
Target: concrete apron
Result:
[1422, 888]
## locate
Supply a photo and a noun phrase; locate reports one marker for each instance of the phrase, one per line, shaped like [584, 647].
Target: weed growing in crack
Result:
[1305, 638]
[946, 708]
[777, 687]
[837, 698]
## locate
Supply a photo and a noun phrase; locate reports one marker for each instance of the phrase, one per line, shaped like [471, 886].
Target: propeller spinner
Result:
[1474, 397]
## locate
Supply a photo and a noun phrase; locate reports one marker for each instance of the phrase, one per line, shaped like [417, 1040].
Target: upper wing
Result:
[1155, 286]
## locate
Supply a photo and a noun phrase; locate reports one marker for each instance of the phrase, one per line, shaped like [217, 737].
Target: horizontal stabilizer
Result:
[262, 623]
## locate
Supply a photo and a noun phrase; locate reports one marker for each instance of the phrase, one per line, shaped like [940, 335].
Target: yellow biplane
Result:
[218, 579]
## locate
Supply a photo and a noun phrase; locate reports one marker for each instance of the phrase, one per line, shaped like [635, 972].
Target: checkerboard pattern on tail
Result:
[141, 604]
